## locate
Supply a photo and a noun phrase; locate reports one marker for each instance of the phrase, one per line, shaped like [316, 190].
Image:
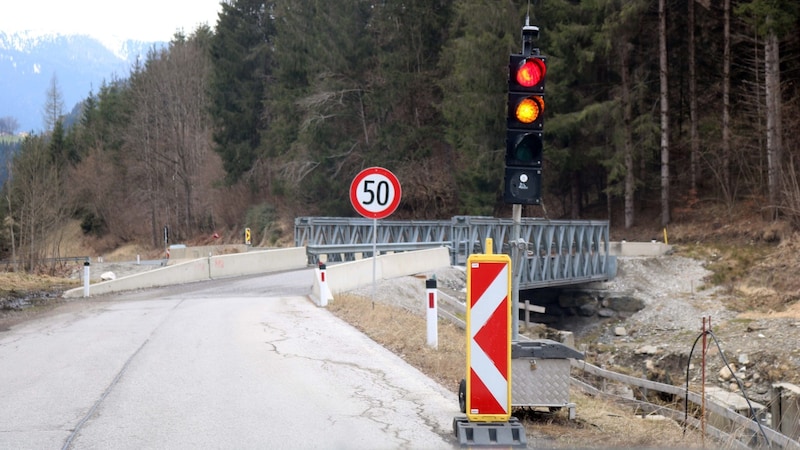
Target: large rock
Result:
[588, 309]
[108, 276]
[606, 313]
[646, 350]
[576, 299]
[624, 303]
[726, 373]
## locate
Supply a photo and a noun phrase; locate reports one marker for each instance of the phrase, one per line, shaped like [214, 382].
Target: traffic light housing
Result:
[524, 128]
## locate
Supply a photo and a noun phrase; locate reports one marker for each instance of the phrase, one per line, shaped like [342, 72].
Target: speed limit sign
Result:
[375, 193]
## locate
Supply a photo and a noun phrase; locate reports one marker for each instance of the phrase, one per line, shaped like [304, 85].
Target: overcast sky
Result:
[145, 20]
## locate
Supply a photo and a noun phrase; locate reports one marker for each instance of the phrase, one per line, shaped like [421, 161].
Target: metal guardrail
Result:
[65, 259]
[556, 252]
[347, 252]
[68, 259]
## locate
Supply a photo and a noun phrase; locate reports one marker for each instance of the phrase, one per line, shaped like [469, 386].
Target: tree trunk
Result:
[694, 143]
[9, 220]
[662, 62]
[772, 84]
[630, 180]
[726, 103]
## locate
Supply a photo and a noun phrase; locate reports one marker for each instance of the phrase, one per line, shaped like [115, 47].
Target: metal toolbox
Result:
[540, 374]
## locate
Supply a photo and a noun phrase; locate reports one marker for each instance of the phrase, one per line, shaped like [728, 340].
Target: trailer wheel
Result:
[462, 395]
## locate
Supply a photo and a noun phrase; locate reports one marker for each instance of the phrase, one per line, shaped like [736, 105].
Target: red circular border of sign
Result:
[354, 193]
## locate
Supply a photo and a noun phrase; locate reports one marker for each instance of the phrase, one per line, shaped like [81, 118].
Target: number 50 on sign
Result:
[375, 193]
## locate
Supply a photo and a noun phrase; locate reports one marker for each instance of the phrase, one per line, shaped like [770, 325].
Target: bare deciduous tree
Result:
[40, 207]
[8, 125]
[726, 100]
[772, 85]
[54, 104]
[664, 79]
[169, 134]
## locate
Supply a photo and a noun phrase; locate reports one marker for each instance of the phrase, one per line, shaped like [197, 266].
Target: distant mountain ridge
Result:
[80, 63]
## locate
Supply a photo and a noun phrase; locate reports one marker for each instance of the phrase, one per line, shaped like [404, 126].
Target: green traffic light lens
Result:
[528, 149]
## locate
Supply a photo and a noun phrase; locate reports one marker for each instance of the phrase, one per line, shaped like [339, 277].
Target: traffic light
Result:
[524, 125]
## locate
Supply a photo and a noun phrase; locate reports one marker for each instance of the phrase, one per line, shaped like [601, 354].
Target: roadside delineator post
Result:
[432, 312]
[86, 279]
[323, 286]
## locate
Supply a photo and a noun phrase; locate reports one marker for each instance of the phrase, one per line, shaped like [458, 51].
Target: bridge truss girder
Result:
[556, 252]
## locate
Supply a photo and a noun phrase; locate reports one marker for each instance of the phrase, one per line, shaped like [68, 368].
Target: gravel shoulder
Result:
[760, 346]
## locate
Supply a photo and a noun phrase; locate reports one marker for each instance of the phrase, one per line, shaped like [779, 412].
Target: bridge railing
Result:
[556, 252]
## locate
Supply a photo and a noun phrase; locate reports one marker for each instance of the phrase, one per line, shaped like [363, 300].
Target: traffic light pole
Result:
[516, 259]
[524, 148]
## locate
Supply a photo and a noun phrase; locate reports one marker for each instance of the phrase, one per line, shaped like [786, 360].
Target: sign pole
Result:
[516, 216]
[374, 258]
[375, 193]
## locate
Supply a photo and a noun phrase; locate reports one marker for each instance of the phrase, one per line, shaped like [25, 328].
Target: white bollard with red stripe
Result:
[323, 286]
[432, 314]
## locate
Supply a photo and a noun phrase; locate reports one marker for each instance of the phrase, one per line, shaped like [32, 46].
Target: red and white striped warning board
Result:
[488, 337]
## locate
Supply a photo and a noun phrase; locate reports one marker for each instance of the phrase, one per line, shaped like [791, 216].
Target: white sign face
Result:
[375, 193]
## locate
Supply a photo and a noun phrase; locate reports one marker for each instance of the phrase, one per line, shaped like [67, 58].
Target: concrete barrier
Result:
[253, 263]
[179, 253]
[786, 409]
[624, 248]
[351, 275]
[202, 269]
[732, 401]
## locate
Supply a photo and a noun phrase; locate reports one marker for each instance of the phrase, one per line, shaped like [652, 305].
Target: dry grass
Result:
[404, 333]
[74, 243]
[599, 424]
[604, 424]
[37, 289]
[25, 283]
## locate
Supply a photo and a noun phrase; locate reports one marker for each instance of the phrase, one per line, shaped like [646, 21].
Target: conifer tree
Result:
[240, 53]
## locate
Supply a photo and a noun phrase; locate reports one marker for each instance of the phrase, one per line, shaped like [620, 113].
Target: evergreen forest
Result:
[651, 105]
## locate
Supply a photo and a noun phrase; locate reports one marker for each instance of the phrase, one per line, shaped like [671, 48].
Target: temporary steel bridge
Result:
[552, 252]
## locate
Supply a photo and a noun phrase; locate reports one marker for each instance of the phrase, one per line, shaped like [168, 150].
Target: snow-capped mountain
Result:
[79, 63]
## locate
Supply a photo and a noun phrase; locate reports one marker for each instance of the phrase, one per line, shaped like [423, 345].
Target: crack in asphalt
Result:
[374, 406]
[76, 430]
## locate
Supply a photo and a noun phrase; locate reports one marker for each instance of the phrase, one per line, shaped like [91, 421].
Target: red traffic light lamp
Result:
[531, 72]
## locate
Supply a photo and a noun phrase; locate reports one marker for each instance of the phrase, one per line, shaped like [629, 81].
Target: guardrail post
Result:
[86, 279]
[432, 313]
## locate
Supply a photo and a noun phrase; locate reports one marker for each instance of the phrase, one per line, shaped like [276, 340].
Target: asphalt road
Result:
[243, 363]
